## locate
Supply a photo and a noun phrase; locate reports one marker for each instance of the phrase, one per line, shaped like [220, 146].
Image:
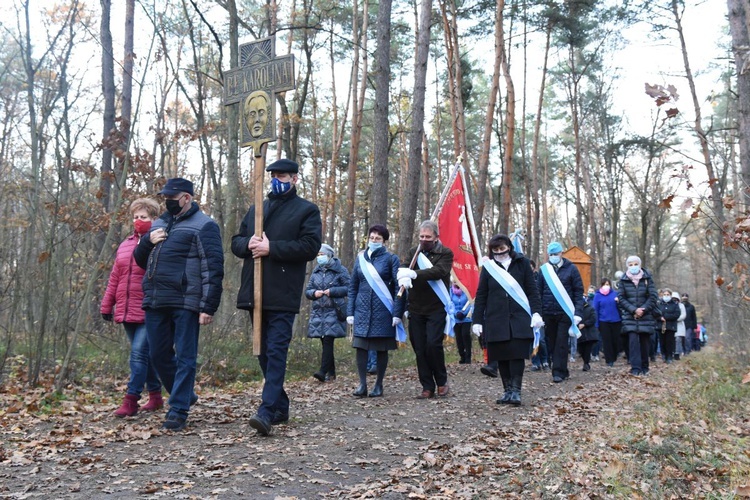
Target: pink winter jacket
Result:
[124, 290]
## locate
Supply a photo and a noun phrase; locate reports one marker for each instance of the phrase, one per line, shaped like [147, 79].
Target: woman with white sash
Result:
[372, 308]
[506, 313]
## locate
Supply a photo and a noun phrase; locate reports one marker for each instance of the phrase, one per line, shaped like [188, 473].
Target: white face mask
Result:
[666, 298]
[554, 259]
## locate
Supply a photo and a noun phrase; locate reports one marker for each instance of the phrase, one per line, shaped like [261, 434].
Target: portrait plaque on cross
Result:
[253, 85]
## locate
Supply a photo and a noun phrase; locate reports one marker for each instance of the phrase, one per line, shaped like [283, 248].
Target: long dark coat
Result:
[371, 317]
[632, 297]
[293, 227]
[590, 333]
[501, 317]
[569, 276]
[324, 320]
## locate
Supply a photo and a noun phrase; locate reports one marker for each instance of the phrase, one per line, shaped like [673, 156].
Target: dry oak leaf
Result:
[746, 378]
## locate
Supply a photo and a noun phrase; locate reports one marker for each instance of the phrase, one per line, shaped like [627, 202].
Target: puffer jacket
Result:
[632, 297]
[680, 332]
[501, 317]
[670, 311]
[324, 318]
[463, 313]
[124, 294]
[371, 317]
[590, 333]
[186, 270]
[570, 278]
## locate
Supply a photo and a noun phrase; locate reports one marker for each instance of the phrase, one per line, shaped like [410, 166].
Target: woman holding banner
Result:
[372, 310]
[506, 313]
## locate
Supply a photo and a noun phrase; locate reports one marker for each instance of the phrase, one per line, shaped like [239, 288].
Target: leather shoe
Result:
[320, 376]
[361, 392]
[515, 398]
[557, 379]
[279, 418]
[443, 391]
[489, 370]
[261, 425]
[376, 392]
[505, 399]
[426, 394]
[586, 367]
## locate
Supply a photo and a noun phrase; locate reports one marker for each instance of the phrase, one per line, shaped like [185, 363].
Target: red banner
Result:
[458, 233]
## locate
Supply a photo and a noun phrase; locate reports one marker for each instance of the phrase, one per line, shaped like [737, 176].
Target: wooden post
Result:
[254, 85]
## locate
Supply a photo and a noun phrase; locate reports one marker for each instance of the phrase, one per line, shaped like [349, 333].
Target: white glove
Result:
[350, 320]
[406, 314]
[574, 333]
[404, 282]
[536, 321]
[577, 320]
[476, 330]
[396, 321]
[405, 272]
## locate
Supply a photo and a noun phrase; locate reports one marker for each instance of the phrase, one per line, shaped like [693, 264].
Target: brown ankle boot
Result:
[155, 402]
[129, 406]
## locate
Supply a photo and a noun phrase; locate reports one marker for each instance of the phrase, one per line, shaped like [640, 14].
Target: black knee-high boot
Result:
[505, 376]
[377, 391]
[361, 391]
[516, 380]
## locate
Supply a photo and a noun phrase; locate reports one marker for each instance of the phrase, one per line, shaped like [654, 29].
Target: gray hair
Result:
[431, 225]
[326, 249]
[633, 257]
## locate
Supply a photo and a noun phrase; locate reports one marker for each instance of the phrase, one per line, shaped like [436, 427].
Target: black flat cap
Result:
[176, 186]
[283, 165]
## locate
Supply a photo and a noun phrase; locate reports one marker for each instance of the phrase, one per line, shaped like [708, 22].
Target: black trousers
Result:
[666, 339]
[462, 331]
[426, 333]
[610, 333]
[327, 361]
[585, 351]
[639, 350]
[556, 331]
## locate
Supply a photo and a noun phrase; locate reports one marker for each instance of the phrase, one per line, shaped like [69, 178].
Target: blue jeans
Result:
[141, 370]
[276, 334]
[173, 339]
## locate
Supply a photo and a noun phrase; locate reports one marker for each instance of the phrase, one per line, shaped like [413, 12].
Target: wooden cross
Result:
[254, 85]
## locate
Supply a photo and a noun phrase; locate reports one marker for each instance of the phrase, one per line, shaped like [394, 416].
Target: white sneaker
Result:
[595, 358]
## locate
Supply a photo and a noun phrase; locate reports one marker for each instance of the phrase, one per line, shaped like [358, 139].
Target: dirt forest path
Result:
[335, 445]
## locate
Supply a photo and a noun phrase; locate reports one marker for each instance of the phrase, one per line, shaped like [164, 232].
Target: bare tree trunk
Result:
[510, 124]
[489, 117]
[416, 135]
[538, 238]
[358, 97]
[379, 199]
[108, 117]
[739, 17]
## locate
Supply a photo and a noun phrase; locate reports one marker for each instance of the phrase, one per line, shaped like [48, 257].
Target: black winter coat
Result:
[328, 312]
[632, 297]
[571, 280]
[501, 317]
[670, 311]
[293, 227]
[590, 333]
[184, 271]
[421, 298]
[691, 319]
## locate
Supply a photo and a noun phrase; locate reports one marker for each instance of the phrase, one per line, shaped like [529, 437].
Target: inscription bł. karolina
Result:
[276, 74]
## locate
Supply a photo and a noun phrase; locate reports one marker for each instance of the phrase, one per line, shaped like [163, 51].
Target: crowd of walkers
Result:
[167, 282]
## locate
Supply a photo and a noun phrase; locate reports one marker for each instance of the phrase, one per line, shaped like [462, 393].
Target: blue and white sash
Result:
[442, 292]
[510, 285]
[381, 290]
[558, 290]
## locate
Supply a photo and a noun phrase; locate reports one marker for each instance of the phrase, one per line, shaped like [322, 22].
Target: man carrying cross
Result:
[292, 235]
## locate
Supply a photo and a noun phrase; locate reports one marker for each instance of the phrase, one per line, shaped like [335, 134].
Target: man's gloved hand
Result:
[405, 282]
[396, 321]
[536, 321]
[350, 320]
[476, 330]
[107, 317]
[577, 320]
[405, 272]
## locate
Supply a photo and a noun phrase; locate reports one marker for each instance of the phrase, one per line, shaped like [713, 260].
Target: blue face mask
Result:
[634, 270]
[374, 246]
[278, 187]
[554, 259]
[322, 260]
[667, 298]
